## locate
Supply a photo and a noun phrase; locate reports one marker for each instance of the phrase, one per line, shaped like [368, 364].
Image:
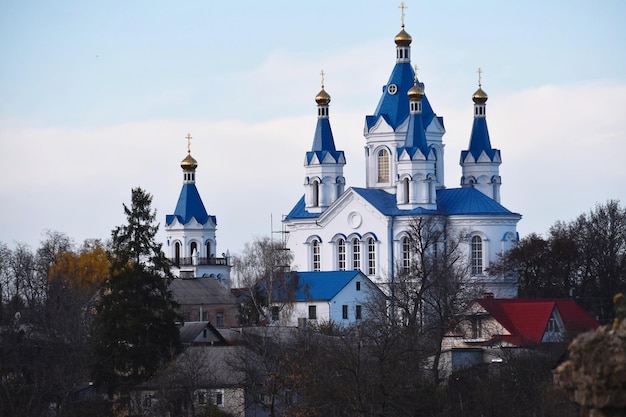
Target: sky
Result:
[96, 98]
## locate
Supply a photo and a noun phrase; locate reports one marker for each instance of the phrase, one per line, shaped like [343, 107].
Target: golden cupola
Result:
[322, 98]
[480, 97]
[403, 38]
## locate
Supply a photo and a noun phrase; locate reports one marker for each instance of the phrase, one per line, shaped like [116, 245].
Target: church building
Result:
[190, 231]
[335, 228]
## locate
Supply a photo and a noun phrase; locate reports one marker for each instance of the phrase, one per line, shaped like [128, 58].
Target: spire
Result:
[323, 141]
[415, 134]
[189, 202]
[324, 179]
[480, 163]
[479, 140]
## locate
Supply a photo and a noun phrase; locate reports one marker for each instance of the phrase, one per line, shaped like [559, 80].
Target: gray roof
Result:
[201, 291]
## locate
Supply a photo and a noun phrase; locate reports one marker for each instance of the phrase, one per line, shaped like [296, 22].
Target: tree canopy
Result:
[136, 326]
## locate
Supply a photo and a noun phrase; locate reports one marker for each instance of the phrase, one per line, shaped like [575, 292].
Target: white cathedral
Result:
[333, 227]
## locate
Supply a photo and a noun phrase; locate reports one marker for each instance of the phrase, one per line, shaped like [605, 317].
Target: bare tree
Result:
[432, 288]
[263, 271]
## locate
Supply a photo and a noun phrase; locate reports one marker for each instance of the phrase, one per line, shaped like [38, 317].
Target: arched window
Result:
[371, 256]
[316, 255]
[177, 253]
[405, 186]
[383, 165]
[341, 254]
[356, 254]
[477, 255]
[316, 193]
[406, 254]
[193, 248]
[208, 249]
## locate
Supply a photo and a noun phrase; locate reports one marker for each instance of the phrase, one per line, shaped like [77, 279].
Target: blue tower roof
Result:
[415, 137]
[394, 108]
[189, 205]
[323, 142]
[479, 141]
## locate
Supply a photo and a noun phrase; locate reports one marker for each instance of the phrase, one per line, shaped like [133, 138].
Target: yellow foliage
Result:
[81, 270]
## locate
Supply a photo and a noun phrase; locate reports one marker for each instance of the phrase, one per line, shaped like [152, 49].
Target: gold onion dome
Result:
[403, 38]
[415, 93]
[480, 97]
[189, 164]
[322, 98]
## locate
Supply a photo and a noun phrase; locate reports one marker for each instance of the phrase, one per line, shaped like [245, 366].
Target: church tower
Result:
[324, 181]
[191, 237]
[417, 160]
[386, 130]
[480, 163]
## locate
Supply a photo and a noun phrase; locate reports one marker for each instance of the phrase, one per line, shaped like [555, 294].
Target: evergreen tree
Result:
[136, 326]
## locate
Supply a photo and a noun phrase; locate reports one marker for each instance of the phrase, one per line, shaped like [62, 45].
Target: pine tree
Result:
[136, 326]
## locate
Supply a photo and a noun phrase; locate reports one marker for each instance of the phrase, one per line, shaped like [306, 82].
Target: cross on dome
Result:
[188, 137]
[480, 76]
[402, 6]
[322, 73]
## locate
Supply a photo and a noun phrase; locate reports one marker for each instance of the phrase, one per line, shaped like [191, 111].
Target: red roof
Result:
[526, 319]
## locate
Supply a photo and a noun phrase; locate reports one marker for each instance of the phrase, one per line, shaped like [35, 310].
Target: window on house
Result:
[358, 313]
[275, 312]
[341, 255]
[317, 257]
[193, 248]
[312, 312]
[202, 397]
[356, 254]
[289, 397]
[477, 327]
[371, 256]
[147, 400]
[383, 165]
[553, 325]
[477, 255]
[344, 312]
[218, 398]
[208, 249]
[219, 319]
[406, 254]
[358, 285]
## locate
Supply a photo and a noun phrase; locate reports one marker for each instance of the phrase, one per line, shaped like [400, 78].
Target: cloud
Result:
[561, 148]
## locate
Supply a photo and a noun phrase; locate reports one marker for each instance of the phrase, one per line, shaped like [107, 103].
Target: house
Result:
[491, 325]
[198, 333]
[205, 299]
[200, 378]
[340, 297]
[333, 227]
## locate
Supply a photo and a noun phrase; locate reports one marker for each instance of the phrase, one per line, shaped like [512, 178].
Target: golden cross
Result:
[188, 142]
[416, 68]
[480, 76]
[402, 6]
[322, 74]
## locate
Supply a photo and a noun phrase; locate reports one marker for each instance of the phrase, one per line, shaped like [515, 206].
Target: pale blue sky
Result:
[96, 98]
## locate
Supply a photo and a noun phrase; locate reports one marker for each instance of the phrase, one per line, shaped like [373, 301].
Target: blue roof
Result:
[323, 142]
[189, 205]
[450, 201]
[415, 137]
[323, 285]
[394, 108]
[479, 141]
